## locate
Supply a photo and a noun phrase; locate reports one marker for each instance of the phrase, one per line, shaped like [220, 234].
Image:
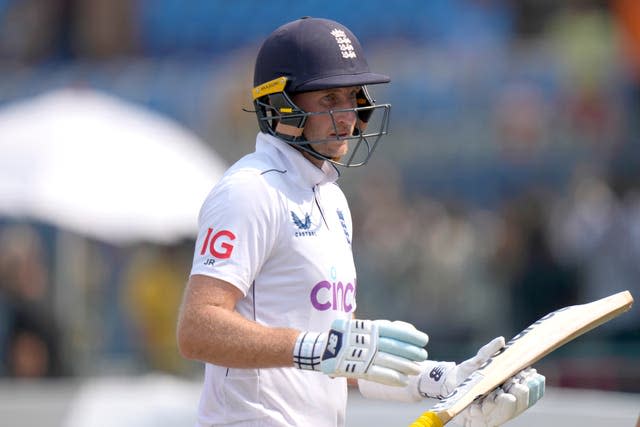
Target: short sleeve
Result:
[237, 228]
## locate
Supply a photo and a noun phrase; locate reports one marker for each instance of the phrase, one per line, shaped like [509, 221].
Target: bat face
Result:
[467, 385]
[532, 344]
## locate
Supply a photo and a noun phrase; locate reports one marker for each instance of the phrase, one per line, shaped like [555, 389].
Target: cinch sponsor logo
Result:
[335, 296]
[218, 245]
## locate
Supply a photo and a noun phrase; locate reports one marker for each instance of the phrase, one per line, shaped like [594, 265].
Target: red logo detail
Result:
[222, 250]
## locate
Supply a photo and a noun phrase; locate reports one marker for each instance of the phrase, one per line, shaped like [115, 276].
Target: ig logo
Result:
[218, 245]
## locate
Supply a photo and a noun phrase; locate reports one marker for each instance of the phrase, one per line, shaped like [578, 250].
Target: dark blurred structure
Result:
[538, 278]
[507, 188]
[29, 332]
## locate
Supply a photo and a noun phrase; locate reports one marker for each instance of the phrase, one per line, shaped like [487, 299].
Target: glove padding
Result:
[381, 351]
[504, 403]
[439, 379]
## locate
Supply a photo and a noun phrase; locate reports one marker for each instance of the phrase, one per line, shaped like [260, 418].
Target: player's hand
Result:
[504, 403]
[377, 350]
[438, 379]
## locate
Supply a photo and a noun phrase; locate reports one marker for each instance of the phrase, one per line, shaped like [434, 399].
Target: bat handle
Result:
[428, 419]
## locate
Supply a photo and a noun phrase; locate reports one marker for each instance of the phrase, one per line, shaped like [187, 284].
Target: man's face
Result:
[321, 127]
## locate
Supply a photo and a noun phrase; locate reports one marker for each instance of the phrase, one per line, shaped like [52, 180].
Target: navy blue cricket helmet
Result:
[314, 54]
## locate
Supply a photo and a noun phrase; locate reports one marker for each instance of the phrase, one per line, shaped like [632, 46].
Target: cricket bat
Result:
[532, 344]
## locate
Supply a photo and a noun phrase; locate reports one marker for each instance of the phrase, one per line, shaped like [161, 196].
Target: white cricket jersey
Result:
[279, 229]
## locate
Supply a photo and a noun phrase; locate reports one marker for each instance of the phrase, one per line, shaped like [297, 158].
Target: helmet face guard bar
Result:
[280, 117]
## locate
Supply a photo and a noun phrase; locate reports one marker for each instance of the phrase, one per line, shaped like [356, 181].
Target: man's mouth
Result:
[341, 135]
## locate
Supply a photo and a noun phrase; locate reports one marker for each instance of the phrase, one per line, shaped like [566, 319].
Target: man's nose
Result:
[346, 115]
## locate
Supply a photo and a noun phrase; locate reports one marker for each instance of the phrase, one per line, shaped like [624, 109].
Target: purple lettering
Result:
[349, 289]
[333, 296]
[314, 296]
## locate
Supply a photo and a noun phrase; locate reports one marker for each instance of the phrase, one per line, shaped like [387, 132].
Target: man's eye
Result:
[330, 99]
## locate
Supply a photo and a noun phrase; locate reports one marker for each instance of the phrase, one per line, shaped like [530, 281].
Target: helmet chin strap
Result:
[292, 131]
[308, 148]
[312, 151]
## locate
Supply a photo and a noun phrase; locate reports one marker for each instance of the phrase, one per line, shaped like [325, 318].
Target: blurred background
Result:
[508, 187]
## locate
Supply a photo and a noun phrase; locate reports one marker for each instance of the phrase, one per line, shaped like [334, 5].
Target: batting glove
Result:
[439, 379]
[377, 350]
[504, 403]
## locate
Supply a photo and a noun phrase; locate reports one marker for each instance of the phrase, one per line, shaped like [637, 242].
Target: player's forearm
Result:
[222, 337]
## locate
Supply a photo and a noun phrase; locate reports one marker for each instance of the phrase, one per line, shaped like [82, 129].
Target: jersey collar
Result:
[294, 162]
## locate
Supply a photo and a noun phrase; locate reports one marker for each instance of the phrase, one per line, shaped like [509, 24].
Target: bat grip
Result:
[428, 419]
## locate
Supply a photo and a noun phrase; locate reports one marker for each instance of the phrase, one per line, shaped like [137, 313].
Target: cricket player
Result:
[269, 306]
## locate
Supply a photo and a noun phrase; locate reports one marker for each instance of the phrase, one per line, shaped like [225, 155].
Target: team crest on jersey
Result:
[303, 226]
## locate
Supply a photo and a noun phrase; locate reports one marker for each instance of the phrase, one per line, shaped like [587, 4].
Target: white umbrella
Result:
[99, 166]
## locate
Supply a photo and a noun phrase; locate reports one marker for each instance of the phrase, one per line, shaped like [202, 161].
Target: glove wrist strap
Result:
[307, 352]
